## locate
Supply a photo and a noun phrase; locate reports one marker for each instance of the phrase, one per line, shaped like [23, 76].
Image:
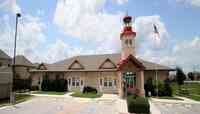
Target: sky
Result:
[52, 30]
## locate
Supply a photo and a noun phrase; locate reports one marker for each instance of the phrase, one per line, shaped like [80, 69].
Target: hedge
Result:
[138, 104]
[88, 89]
[58, 85]
[164, 88]
[21, 84]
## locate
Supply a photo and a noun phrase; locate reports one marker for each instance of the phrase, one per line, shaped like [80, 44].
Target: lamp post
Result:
[12, 94]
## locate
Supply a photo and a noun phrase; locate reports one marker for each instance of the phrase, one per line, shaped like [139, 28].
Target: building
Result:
[5, 75]
[108, 73]
[22, 67]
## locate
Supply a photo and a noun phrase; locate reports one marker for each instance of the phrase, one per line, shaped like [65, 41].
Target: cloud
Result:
[89, 22]
[195, 3]
[145, 31]
[9, 6]
[30, 36]
[187, 53]
[120, 2]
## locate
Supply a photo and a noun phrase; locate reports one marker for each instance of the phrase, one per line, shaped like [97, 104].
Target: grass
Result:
[169, 98]
[192, 90]
[19, 98]
[86, 95]
[48, 92]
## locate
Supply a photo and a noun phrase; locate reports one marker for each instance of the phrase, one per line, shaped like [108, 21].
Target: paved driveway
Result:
[58, 105]
[178, 107]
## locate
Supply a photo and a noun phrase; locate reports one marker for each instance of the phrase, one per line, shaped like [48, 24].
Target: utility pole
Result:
[12, 93]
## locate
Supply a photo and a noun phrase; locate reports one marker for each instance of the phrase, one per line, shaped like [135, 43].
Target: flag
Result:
[155, 29]
[157, 35]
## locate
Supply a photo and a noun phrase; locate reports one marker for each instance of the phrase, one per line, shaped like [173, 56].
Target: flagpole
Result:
[156, 72]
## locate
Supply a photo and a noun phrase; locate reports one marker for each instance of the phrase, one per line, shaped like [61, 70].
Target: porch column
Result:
[141, 83]
[120, 84]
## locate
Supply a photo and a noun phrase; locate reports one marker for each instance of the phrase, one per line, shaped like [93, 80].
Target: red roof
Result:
[132, 59]
[127, 31]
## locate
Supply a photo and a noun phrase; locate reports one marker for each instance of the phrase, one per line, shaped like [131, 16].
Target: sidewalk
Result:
[185, 100]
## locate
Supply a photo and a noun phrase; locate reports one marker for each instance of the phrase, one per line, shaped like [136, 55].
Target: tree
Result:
[191, 75]
[180, 76]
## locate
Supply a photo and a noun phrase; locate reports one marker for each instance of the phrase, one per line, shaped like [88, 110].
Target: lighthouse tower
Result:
[127, 38]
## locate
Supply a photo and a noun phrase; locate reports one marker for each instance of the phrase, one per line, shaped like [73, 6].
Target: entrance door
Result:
[130, 81]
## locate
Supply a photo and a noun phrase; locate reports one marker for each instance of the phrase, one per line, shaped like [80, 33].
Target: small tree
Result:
[191, 76]
[180, 76]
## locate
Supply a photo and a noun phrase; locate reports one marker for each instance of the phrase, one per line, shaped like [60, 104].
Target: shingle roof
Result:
[3, 55]
[92, 63]
[21, 60]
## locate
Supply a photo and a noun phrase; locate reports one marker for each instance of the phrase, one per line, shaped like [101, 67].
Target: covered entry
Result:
[130, 82]
[131, 73]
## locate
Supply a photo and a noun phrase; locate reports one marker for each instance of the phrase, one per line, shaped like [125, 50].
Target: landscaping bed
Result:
[48, 92]
[168, 97]
[86, 95]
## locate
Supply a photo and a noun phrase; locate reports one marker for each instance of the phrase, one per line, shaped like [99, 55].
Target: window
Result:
[110, 82]
[130, 42]
[77, 82]
[57, 76]
[105, 82]
[73, 81]
[126, 41]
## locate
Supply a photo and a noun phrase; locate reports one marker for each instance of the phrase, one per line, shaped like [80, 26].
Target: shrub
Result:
[164, 89]
[34, 88]
[138, 104]
[58, 85]
[149, 87]
[88, 89]
[22, 84]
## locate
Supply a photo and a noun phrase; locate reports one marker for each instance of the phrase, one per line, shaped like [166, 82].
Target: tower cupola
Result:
[127, 38]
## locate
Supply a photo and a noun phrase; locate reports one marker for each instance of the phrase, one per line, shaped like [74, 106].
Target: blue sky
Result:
[51, 30]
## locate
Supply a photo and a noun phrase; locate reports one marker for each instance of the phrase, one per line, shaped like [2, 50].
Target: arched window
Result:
[126, 41]
[130, 42]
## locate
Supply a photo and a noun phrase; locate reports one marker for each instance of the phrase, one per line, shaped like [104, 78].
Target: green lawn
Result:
[86, 95]
[169, 98]
[191, 91]
[19, 98]
[48, 92]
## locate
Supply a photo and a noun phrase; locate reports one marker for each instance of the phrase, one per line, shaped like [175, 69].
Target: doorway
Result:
[129, 82]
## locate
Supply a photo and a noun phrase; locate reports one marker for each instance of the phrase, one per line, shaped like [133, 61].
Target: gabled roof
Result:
[133, 60]
[93, 62]
[22, 61]
[3, 55]
[107, 64]
[76, 65]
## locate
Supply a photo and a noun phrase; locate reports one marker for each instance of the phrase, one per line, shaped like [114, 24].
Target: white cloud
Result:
[145, 31]
[187, 53]
[30, 36]
[9, 6]
[120, 2]
[87, 21]
[195, 3]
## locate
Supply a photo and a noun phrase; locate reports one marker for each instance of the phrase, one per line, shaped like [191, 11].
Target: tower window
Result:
[130, 42]
[126, 41]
